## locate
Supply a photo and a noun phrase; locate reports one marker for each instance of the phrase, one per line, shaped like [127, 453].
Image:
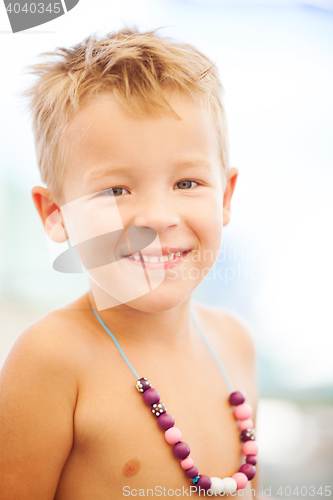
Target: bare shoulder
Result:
[234, 329]
[52, 340]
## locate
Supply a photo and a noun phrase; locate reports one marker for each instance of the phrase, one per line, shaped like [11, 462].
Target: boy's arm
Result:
[38, 394]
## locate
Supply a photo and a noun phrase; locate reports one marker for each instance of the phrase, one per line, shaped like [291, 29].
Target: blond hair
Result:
[137, 68]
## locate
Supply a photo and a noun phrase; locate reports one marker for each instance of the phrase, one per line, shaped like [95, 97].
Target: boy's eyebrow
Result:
[198, 163]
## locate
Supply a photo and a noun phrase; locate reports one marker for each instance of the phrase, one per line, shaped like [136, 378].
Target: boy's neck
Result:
[171, 328]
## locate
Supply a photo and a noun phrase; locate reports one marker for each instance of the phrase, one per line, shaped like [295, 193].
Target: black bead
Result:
[158, 409]
[248, 435]
[143, 384]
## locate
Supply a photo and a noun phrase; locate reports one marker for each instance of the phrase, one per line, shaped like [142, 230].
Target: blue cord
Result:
[197, 327]
[115, 341]
[212, 352]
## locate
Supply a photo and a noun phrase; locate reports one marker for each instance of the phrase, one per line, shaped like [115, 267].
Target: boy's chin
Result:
[154, 301]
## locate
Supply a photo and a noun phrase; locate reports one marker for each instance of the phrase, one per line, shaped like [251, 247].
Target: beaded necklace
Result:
[241, 411]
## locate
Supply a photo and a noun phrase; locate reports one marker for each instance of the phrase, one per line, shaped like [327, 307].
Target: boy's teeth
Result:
[154, 258]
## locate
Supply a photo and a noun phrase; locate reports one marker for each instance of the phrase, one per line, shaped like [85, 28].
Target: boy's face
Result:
[165, 174]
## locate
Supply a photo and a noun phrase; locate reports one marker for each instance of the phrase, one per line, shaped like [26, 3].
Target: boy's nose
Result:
[156, 212]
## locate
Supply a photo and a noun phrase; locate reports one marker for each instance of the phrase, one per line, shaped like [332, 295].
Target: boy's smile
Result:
[158, 172]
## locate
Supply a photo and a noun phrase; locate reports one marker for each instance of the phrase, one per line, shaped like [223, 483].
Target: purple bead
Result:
[158, 409]
[151, 396]
[204, 482]
[237, 398]
[165, 421]
[251, 459]
[249, 471]
[143, 384]
[191, 473]
[181, 450]
[248, 435]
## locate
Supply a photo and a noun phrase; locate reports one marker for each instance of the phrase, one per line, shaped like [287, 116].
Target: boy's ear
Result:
[50, 214]
[231, 182]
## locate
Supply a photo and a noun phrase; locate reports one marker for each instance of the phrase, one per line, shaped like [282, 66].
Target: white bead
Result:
[230, 485]
[217, 485]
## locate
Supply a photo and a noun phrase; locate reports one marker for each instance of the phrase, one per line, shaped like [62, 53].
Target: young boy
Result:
[130, 132]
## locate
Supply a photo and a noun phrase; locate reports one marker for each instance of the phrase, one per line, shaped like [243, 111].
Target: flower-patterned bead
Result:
[158, 409]
[248, 435]
[143, 384]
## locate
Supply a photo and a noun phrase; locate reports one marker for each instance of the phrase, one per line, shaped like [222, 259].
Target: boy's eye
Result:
[113, 191]
[185, 184]
[117, 191]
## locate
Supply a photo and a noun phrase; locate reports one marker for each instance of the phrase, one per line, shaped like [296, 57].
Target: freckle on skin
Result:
[131, 467]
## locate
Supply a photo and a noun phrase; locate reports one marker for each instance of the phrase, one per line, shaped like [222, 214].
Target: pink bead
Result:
[173, 435]
[187, 463]
[250, 448]
[243, 411]
[245, 424]
[241, 480]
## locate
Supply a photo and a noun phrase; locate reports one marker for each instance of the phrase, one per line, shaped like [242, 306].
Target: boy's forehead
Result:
[104, 135]
[105, 110]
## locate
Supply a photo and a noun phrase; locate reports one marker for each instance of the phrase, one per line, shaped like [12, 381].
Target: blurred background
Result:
[275, 269]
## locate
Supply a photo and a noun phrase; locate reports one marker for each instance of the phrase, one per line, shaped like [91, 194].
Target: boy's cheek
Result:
[89, 217]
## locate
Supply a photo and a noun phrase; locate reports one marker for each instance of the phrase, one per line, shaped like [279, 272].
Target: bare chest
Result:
[119, 450]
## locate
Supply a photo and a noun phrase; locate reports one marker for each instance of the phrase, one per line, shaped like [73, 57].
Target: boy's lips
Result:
[161, 251]
[153, 261]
